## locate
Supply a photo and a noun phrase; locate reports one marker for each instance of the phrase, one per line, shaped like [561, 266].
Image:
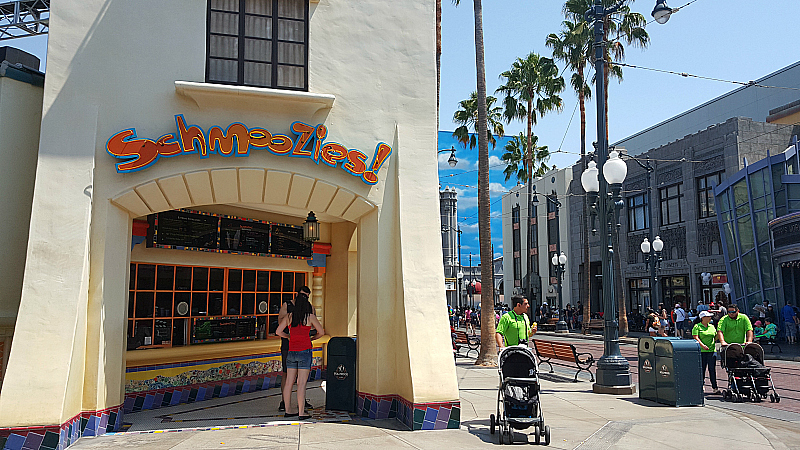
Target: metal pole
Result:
[459, 266]
[613, 372]
[653, 278]
[561, 325]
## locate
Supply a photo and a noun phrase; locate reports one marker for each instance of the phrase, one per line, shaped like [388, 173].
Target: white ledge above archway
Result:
[210, 95]
[244, 186]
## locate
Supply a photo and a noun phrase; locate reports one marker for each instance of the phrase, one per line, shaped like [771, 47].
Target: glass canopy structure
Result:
[763, 192]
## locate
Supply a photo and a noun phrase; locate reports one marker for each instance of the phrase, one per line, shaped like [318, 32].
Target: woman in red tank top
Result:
[298, 361]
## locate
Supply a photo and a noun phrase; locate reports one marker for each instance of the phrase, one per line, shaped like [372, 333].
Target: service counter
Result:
[158, 377]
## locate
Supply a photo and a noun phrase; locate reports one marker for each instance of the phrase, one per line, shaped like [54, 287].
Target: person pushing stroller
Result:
[514, 327]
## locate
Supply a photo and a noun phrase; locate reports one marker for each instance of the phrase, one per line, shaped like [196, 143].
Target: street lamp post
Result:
[452, 160]
[653, 260]
[653, 276]
[613, 371]
[561, 325]
[459, 274]
[559, 261]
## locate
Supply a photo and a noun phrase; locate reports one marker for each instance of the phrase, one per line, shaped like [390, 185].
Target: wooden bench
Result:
[547, 351]
[549, 325]
[461, 339]
[593, 324]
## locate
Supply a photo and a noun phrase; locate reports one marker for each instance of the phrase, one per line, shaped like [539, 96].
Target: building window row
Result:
[671, 198]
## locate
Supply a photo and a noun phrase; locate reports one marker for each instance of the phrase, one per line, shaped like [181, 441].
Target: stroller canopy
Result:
[517, 362]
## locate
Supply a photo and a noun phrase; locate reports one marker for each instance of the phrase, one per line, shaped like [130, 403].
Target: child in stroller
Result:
[518, 405]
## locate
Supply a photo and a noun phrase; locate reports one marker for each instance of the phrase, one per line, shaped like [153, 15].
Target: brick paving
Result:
[785, 374]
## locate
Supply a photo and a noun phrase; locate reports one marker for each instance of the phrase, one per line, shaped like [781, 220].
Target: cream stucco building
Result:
[245, 114]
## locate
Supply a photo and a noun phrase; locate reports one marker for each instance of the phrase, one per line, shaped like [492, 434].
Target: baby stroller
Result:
[518, 396]
[747, 376]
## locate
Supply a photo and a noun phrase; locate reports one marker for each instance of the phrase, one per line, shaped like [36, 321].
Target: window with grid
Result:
[260, 43]
[671, 198]
[163, 299]
[638, 212]
[705, 194]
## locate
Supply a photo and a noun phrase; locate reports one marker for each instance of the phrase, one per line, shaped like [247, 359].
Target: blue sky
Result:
[464, 178]
[735, 40]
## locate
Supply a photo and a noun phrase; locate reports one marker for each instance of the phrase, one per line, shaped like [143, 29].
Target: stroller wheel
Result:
[777, 398]
[537, 438]
[547, 435]
[491, 423]
[726, 395]
[510, 435]
[771, 398]
[500, 435]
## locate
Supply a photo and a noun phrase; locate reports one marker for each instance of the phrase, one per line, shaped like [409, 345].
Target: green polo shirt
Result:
[707, 335]
[735, 330]
[514, 327]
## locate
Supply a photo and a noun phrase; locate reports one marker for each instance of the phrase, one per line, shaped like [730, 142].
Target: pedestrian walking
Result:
[790, 323]
[514, 327]
[734, 328]
[298, 361]
[705, 333]
[679, 316]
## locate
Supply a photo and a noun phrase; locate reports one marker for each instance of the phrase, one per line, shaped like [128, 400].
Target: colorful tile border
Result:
[417, 416]
[59, 437]
[164, 385]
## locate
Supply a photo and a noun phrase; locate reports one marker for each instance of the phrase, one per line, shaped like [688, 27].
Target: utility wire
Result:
[689, 75]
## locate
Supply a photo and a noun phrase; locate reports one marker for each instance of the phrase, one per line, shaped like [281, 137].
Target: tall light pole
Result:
[653, 260]
[613, 371]
[559, 261]
[653, 276]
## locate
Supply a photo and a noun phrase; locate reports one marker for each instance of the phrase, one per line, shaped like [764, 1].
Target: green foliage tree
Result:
[467, 117]
[515, 160]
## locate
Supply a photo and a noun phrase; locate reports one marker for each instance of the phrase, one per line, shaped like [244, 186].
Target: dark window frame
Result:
[633, 208]
[705, 194]
[274, 41]
[665, 198]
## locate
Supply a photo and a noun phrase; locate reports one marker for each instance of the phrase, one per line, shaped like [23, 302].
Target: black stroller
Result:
[518, 396]
[747, 376]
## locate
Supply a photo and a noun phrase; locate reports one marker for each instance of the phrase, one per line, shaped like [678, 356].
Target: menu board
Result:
[243, 236]
[185, 229]
[288, 241]
[193, 230]
[220, 329]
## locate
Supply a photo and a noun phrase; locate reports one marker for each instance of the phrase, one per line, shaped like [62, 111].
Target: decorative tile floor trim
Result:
[417, 416]
[59, 437]
[157, 398]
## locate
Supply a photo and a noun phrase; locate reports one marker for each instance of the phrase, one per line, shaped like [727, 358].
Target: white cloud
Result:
[497, 189]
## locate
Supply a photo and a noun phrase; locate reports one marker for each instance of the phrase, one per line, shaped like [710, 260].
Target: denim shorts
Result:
[299, 360]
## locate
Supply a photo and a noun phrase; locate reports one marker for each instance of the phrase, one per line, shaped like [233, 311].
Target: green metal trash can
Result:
[647, 368]
[340, 382]
[679, 378]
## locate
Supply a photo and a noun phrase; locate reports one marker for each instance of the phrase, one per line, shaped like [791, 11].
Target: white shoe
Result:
[715, 391]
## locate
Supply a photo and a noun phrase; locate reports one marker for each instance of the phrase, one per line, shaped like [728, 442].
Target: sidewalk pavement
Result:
[578, 419]
[782, 352]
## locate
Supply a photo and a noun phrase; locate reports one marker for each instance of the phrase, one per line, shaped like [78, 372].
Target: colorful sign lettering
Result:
[238, 140]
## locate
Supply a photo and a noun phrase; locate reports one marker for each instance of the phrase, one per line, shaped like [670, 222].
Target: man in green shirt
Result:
[734, 328]
[514, 326]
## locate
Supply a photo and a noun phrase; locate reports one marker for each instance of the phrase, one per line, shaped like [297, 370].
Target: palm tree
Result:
[516, 163]
[467, 116]
[531, 90]
[573, 46]
[621, 28]
[488, 352]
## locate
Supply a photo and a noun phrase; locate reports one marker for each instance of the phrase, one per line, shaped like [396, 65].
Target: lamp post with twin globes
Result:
[613, 371]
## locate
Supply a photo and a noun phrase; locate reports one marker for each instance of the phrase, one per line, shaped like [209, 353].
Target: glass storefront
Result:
[747, 202]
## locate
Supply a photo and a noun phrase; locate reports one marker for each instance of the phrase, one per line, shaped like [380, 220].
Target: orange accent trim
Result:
[140, 227]
[321, 247]
[319, 270]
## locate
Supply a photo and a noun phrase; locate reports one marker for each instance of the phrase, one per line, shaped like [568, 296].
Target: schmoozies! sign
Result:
[238, 140]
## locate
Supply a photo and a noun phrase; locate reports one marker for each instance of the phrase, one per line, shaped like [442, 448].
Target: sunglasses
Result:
[733, 312]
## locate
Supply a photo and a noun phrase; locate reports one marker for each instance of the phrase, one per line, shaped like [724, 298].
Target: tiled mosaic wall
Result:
[151, 387]
[60, 437]
[419, 416]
